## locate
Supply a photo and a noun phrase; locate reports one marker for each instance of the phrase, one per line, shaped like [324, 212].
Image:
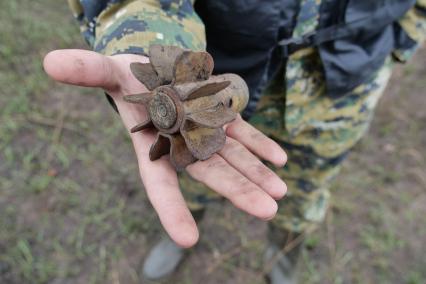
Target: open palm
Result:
[235, 172]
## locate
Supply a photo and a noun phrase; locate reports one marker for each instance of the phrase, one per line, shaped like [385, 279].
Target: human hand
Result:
[235, 172]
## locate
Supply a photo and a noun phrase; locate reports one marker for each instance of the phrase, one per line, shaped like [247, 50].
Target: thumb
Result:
[81, 67]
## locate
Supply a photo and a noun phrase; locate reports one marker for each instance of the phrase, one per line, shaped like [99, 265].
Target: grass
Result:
[73, 210]
[55, 214]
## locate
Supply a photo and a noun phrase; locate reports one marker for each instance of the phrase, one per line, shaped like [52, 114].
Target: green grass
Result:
[73, 210]
[55, 213]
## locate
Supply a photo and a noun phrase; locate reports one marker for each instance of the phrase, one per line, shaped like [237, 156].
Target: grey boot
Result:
[283, 263]
[165, 256]
[162, 260]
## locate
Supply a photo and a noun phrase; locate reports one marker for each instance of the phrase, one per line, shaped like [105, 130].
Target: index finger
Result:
[81, 67]
[162, 187]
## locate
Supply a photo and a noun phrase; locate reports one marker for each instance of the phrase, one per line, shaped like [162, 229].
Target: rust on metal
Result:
[186, 104]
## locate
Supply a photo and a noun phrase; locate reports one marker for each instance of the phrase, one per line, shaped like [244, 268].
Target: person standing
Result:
[315, 70]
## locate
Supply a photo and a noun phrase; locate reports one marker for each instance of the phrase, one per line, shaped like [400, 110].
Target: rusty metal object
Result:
[186, 104]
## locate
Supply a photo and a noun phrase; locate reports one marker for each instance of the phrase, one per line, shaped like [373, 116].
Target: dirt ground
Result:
[73, 209]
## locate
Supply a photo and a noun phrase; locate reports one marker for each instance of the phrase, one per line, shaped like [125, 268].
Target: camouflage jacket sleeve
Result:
[131, 26]
[414, 24]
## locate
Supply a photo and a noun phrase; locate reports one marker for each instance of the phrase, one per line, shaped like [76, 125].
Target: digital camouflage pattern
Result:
[118, 26]
[414, 24]
[316, 131]
[307, 18]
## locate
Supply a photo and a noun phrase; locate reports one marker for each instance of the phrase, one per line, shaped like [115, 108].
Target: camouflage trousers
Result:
[316, 131]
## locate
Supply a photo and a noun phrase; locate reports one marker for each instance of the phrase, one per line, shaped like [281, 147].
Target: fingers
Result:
[217, 174]
[256, 142]
[82, 68]
[250, 166]
[91, 69]
[161, 184]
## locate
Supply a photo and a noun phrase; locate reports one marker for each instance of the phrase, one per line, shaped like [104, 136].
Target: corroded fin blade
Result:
[139, 98]
[201, 141]
[213, 118]
[142, 126]
[195, 90]
[160, 147]
[180, 156]
[163, 59]
[193, 66]
[146, 74]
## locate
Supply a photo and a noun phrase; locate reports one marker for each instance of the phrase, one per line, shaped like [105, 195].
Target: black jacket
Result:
[243, 36]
